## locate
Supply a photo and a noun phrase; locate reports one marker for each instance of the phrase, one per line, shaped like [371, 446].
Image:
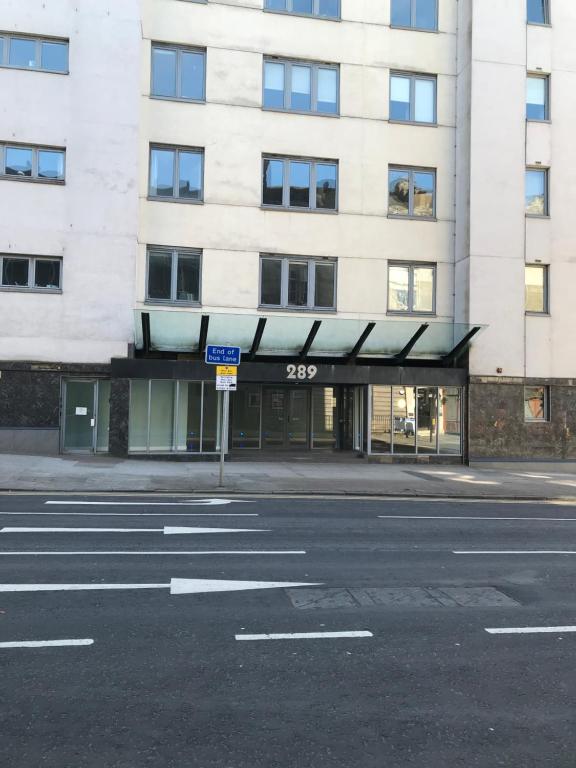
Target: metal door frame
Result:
[63, 420]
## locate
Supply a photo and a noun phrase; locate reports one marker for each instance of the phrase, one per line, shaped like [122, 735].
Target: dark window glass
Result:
[401, 13]
[163, 72]
[188, 278]
[160, 275]
[299, 185]
[22, 52]
[15, 272]
[329, 8]
[162, 172]
[18, 161]
[301, 88]
[537, 11]
[55, 56]
[326, 186]
[273, 182]
[50, 164]
[274, 84]
[271, 289]
[297, 284]
[324, 287]
[190, 170]
[399, 193]
[192, 75]
[47, 273]
[302, 6]
[425, 14]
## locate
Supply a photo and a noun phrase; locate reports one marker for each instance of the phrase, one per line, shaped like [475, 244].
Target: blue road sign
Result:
[220, 355]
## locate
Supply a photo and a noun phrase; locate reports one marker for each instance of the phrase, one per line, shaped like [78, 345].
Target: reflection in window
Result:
[176, 173]
[536, 97]
[537, 12]
[412, 98]
[32, 163]
[411, 288]
[411, 192]
[50, 164]
[536, 403]
[297, 283]
[536, 192]
[328, 9]
[178, 73]
[417, 14]
[300, 87]
[22, 52]
[290, 184]
[173, 276]
[34, 53]
[536, 278]
[449, 420]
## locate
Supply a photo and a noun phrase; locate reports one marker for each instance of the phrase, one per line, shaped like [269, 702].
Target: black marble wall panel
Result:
[119, 416]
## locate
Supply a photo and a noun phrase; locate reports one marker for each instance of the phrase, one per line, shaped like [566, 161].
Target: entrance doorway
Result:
[286, 418]
[86, 416]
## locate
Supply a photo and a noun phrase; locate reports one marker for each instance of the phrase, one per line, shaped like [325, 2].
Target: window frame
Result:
[413, 19]
[546, 22]
[315, 66]
[35, 149]
[546, 78]
[32, 262]
[175, 253]
[313, 162]
[411, 171]
[546, 419]
[178, 50]
[176, 171]
[546, 172]
[413, 77]
[545, 268]
[411, 266]
[7, 37]
[314, 15]
[311, 261]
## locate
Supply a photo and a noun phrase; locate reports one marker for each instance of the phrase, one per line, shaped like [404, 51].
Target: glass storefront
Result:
[416, 420]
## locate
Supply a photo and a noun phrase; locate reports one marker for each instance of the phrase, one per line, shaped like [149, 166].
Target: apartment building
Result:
[361, 194]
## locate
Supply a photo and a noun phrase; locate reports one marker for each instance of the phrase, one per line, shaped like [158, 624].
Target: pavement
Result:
[301, 633]
[295, 476]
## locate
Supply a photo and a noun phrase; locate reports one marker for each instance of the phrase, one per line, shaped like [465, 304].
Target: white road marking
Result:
[304, 636]
[467, 517]
[133, 514]
[197, 502]
[46, 643]
[156, 552]
[167, 530]
[529, 630]
[513, 552]
[176, 586]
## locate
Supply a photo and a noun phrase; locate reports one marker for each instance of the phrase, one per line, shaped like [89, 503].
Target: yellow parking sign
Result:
[226, 370]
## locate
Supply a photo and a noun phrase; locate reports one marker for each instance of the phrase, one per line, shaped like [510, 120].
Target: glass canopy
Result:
[281, 335]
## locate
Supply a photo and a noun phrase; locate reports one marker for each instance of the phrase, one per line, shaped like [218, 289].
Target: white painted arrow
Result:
[167, 530]
[176, 586]
[143, 503]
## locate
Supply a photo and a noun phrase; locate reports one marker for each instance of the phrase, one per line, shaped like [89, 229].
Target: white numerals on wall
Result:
[301, 372]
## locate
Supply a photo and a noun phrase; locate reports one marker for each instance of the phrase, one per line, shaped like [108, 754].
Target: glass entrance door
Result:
[286, 418]
[86, 416]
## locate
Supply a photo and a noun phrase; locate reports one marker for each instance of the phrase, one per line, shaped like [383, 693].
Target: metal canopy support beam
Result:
[351, 357]
[257, 338]
[308, 343]
[460, 347]
[203, 333]
[146, 338]
[401, 356]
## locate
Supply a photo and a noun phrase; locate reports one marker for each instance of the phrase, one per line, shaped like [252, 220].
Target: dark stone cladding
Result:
[30, 392]
[497, 429]
[119, 417]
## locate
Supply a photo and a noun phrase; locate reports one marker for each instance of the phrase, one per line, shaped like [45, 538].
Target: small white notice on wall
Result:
[81, 411]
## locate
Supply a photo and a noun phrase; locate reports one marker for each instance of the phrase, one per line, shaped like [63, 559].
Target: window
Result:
[411, 192]
[415, 14]
[327, 9]
[38, 163]
[412, 288]
[536, 194]
[412, 98]
[178, 73]
[294, 282]
[538, 12]
[536, 282]
[300, 184]
[176, 173]
[537, 97]
[33, 53]
[536, 403]
[30, 272]
[173, 275]
[300, 87]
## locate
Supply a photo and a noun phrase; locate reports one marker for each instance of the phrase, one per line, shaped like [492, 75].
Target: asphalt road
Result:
[161, 679]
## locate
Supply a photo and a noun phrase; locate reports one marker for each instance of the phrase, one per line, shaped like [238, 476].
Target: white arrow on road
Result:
[143, 503]
[167, 530]
[176, 586]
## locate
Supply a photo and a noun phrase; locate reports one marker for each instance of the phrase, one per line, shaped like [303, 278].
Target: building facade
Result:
[310, 180]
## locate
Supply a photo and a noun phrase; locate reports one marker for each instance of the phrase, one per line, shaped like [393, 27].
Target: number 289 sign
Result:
[301, 372]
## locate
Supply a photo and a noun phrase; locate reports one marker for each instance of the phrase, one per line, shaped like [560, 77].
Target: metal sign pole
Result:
[224, 432]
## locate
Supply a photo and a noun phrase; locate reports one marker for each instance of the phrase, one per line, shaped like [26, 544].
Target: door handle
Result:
[92, 422]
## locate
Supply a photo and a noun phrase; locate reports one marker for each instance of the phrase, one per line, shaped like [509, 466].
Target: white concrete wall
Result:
[91, 222]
